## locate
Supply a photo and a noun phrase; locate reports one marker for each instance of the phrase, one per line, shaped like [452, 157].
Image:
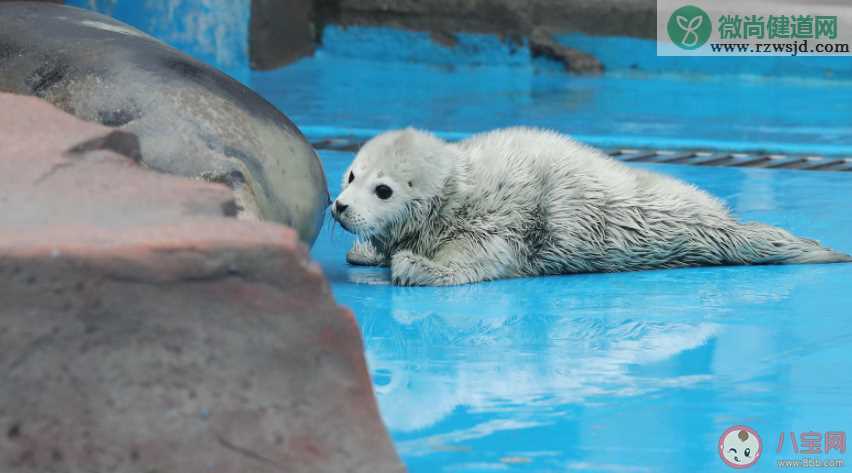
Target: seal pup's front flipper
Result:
[464, 260]
[363, 253]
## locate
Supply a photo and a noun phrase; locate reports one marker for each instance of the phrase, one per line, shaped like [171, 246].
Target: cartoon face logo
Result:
[740, 447]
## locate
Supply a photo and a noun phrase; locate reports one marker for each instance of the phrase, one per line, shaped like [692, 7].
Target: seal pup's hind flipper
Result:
[766, 244]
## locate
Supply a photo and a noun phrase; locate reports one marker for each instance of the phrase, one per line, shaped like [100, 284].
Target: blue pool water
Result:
[633, 372]
[615, 372]
[329, 95]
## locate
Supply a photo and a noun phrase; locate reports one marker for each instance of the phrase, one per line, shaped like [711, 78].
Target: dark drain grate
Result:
[695, 158]
[740, 160]
[339, 144]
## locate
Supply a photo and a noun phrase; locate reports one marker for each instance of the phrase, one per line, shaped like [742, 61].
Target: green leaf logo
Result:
[689, 27]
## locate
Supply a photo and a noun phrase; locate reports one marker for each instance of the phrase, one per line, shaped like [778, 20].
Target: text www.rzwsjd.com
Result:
[793, 49]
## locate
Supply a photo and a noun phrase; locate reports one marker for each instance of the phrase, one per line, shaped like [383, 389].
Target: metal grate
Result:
[696, 158]
[339, 144]
[741, 160]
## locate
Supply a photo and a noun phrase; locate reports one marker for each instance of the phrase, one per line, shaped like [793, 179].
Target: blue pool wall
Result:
[778, 104]
[219, 35]
[617, 54]
[216, 33]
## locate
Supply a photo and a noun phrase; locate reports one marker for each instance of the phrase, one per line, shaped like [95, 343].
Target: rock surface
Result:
[542, 43]
[281, 31]
[506, 17]
[142, 330]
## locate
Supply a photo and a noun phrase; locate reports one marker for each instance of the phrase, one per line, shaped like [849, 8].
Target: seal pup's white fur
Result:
[522, 202]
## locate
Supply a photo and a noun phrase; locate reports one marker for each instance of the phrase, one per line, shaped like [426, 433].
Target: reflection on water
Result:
[613, 372]
[419, 394]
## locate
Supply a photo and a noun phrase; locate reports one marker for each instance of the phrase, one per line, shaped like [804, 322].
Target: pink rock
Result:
[142, 330]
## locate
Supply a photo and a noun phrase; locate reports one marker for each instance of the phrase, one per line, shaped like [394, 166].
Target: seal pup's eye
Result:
[351, 177]
[383, 192]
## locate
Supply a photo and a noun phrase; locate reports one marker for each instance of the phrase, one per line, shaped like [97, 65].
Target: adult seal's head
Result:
[191, 119]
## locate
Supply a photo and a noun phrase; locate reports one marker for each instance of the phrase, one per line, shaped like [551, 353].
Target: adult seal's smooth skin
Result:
[191, 119]
[525, 202]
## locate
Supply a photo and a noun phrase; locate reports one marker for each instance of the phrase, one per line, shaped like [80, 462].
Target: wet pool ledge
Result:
[625, 372]
[333, 96]
[788, 105]
[477, 82]
[618, 54]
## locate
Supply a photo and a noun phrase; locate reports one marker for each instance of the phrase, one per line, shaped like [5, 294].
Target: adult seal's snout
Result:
[191, 119]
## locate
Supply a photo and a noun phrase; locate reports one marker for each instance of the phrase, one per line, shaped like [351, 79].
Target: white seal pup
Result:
[522, 202]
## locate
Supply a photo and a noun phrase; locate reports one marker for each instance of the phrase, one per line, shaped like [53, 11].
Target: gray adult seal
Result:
[191, 119]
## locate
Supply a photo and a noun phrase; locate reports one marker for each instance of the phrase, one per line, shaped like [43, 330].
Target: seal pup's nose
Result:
[340, 207]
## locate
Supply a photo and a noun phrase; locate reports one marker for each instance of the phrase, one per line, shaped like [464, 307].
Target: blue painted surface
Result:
[642, 58]
[396, 45]
[617, 54]
[632, 372]
[628, 372]
[332, 96]
[213, 32]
